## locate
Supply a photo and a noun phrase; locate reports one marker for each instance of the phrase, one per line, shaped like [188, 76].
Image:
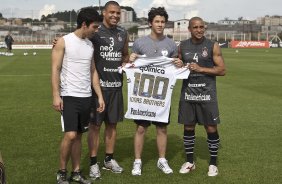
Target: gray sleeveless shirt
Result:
[108, 47]
[198, 87]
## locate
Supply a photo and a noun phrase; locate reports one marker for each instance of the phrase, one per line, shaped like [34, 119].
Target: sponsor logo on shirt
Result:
[199, 97]
[196, 85]
[107, 53]
[142, 112]
[110, 69]
[110, 84]
[152, 68]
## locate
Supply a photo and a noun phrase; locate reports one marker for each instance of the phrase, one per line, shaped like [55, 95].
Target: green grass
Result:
[250, 100]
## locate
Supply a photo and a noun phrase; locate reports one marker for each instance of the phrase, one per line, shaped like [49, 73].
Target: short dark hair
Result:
[87, 15]
[157, 11]
[111, 3]
[193, 19]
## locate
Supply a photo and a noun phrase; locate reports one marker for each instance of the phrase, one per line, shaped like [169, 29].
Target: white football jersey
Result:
[150, 84]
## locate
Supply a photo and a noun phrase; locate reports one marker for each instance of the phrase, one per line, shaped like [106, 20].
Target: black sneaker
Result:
[77, 177]
[62, 177]
[2, 173]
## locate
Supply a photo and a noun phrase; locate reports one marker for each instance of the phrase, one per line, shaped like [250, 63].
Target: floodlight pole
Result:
[99, 6]
[70, 21]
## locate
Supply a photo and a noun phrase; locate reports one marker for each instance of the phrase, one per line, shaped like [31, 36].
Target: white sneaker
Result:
[94, 172]
[136, 171]
[163, 165]
[213, 171]
[187, 167]
[113, 166]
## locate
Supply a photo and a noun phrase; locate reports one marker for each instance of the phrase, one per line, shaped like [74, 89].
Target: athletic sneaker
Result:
[62, 177]
[187, 167]
[136, 171]
[113, 166]
[94, 172]
[213, 171]
[163, 165]
[77, 177]
[2, 173]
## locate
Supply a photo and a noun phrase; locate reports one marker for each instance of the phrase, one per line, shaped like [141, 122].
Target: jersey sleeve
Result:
[181, 73]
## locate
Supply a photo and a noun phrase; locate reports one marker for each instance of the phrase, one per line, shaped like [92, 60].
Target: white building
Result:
[233, 22]
[126, 16]
[181, 25]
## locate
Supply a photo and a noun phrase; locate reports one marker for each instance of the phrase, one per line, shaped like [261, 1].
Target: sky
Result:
[209, 10]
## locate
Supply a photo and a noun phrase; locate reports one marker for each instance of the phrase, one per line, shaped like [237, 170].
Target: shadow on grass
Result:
[124, 150]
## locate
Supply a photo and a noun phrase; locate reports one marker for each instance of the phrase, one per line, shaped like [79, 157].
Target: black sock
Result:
[189, 142]
[93, 160]
[62, 171]
[213, 145]
[109, 157]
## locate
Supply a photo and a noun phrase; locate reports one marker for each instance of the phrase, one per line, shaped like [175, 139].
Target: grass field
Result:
[250, 99]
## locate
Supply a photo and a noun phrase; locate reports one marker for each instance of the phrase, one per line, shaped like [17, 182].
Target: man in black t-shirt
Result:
[9, 41]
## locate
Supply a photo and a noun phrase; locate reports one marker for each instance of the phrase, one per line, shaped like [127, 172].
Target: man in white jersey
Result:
[155, 44]
[150, 85]
[72, 74]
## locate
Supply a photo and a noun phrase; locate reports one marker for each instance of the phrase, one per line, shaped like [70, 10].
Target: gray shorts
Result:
[191, 113]
[113, 112]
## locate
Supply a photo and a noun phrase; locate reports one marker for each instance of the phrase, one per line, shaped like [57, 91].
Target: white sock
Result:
[138, 160]
[162, 159]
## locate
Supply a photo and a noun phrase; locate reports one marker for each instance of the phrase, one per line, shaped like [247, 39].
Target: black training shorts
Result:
[76, 114]
[191, 113]
[113, 112]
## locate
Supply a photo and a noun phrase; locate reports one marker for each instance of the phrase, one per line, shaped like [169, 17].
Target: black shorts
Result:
[145, 123]
[113, 112]
[191, 113]
[76, 114]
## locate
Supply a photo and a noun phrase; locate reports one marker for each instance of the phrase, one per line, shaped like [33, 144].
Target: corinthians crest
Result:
[119, 37]
[205, 52]
[164, 52]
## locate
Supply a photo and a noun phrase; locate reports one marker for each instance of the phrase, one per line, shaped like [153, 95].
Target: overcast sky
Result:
[209, 10]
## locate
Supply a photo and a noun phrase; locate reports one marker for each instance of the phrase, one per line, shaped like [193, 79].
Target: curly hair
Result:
[157, 11]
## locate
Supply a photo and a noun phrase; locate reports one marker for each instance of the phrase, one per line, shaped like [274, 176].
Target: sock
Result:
[162, 159]
[189, 142]
[213, 145]
[93, 160]
[62, 171]
[109, 157]
[138, 160]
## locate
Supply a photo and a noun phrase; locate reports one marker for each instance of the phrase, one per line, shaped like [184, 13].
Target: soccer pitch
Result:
[250, 101]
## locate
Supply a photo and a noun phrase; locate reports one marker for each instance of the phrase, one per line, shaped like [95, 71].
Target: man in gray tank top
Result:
[198, 100]
[153, 45]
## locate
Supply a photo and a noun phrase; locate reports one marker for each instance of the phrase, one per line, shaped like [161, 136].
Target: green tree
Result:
[133, 29]
[67, 16]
